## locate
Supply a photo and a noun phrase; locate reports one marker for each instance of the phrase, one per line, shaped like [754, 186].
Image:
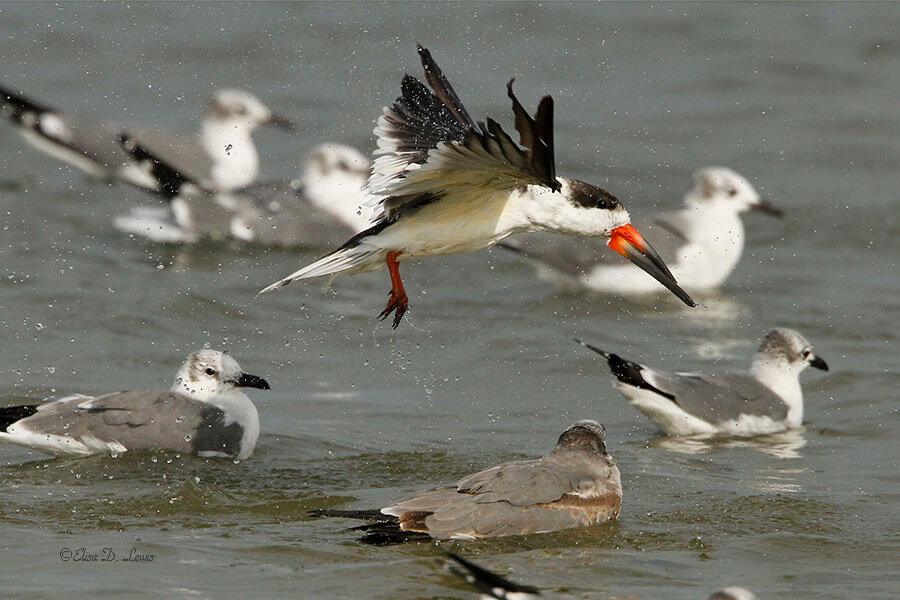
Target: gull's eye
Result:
[242, 111]
[343, 166]
[805, 354]
[210, 371]
[731, 192]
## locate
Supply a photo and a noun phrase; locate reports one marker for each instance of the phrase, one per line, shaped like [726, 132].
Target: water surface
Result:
[799, 98]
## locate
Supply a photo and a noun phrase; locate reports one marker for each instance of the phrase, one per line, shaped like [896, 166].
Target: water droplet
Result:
[188, 437]
[153, 459]
[38, 326]
[51, 369]
[179, 419]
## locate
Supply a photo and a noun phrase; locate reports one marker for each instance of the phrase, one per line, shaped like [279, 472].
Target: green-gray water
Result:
[800, 98]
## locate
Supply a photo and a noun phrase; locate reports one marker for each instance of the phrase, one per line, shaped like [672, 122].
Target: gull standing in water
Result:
[203, 413]
[767, 400]
[576, 485]
[222, 154]
[701, 243]
[315, 211]
[446, 185]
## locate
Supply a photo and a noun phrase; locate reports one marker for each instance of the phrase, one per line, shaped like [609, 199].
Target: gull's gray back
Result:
[274, 212]
[141, 419]
[720, 397]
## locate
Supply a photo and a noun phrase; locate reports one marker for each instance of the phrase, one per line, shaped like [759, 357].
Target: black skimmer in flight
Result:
[446, 184]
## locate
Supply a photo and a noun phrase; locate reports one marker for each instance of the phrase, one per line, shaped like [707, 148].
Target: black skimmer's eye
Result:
[586, 195]
[210, 371]
[805, 354]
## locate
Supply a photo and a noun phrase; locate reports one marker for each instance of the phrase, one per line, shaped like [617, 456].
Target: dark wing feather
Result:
[442, 88]
[537, 136]
[428, 144]
[486, 581]
[169, 180]
[14, 106]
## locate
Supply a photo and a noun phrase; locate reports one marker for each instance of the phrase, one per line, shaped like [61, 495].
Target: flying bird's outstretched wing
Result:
[428, 144]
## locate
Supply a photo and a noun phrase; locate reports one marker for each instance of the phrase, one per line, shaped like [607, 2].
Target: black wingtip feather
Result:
[442, 88]
[11, 414]
[168, 178]
[487, 581]
[537, 136]
[629, 372]
[602, 353]
[15, 106]
[364, 515]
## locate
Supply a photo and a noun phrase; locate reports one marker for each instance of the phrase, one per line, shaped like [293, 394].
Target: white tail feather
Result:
[332, 264]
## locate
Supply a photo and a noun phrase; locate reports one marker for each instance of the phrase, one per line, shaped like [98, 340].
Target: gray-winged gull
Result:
[316, 211]
[222, 154]
[204, 413]
[701, 243]
[493, 586]
[445, 184]
[766, 400]
[576, 485]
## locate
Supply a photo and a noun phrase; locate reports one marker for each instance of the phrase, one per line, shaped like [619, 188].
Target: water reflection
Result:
[784, 445]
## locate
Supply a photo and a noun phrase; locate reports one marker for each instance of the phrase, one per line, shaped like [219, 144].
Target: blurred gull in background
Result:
[221, 155]
[317, 210]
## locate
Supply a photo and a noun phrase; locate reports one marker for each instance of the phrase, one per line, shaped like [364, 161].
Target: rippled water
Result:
[800, 98]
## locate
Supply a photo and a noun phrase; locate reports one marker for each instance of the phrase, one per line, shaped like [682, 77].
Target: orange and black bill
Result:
[627, 241]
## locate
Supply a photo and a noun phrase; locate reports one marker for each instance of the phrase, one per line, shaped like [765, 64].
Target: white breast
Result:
[459, 222]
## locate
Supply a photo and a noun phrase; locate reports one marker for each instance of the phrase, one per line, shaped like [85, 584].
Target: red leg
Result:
[399, 301]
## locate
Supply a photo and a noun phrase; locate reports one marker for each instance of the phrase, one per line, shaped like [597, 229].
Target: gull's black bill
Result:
[766, 207]
[253, 381]
[279, 121]
[627, 241]
[819, 364]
